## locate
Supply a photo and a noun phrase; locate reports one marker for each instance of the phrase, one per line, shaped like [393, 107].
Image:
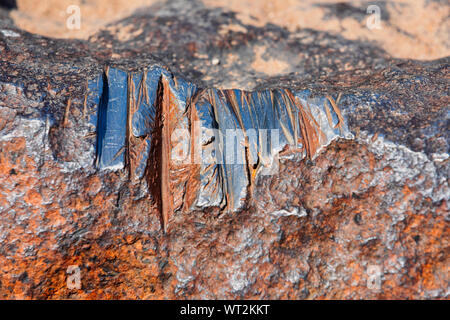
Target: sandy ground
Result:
[49, 17]
[416, 29]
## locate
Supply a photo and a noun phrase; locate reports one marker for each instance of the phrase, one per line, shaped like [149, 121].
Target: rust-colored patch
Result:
[168, 117]
[310, 129]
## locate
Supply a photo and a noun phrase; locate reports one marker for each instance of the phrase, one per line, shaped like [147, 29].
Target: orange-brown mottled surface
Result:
[324, 254]
[368, 218]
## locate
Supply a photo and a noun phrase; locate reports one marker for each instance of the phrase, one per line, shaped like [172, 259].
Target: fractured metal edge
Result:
[141, 111]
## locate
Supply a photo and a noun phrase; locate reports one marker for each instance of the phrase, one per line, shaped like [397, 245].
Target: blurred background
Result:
[416, 29]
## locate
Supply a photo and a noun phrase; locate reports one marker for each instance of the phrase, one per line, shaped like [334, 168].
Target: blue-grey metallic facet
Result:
[146, 85]
[241, 133]
[231, 150]
[95, 89]
[144, 91]
[112, 120]
[211, 193]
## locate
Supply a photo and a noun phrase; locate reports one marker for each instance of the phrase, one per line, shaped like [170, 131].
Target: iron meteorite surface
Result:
[315, 229]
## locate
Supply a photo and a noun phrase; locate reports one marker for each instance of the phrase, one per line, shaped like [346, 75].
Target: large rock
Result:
[360, 213]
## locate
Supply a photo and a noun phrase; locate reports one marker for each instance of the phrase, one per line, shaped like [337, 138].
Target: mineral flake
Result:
[226, 137]
[350, 199]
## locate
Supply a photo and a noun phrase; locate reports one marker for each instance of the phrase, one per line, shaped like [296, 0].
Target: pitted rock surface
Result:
[366, 217]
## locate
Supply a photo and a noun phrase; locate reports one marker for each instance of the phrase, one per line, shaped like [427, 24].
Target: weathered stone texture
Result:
[365, 211]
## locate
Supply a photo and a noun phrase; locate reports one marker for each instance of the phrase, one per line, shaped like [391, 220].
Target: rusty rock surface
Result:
[366, 218]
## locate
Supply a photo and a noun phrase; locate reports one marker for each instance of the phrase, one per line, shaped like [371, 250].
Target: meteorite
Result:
[205, 147]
